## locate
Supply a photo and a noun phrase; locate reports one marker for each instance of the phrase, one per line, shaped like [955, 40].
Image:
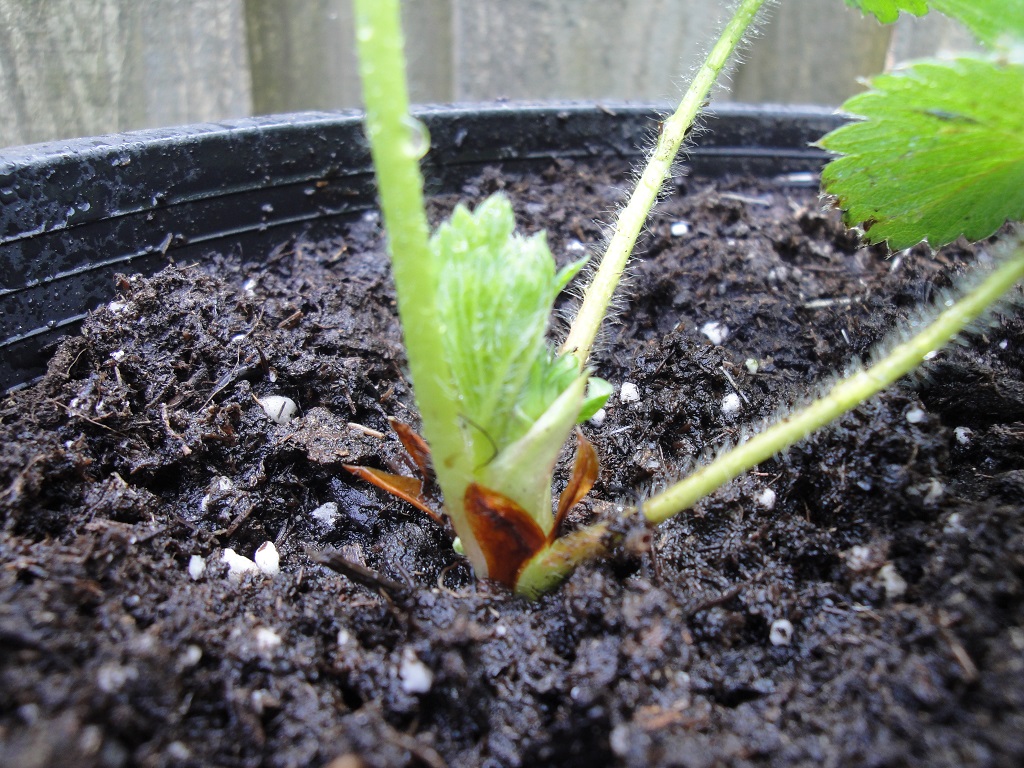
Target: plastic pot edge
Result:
[75, 213]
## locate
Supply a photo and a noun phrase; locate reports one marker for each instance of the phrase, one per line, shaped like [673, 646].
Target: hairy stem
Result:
[397, 142]
[844, 396]
[546, 570]
[631, 219]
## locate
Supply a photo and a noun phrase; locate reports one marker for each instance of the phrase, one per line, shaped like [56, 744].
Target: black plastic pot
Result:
[73, 214]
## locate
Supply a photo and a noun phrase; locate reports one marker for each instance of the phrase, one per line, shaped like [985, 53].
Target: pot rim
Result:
[75, 213]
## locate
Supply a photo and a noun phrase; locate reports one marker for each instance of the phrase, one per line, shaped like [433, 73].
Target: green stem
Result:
[631, 220]
[396, 143]
[546, 570]
[844, 396]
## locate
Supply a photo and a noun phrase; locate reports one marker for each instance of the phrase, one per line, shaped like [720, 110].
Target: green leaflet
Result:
[996, 23]
[939, 154]
[549, 377]
[887, 11]
[598, 392]
[523, 469]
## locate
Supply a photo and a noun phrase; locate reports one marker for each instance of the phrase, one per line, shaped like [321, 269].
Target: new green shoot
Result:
[497, 404]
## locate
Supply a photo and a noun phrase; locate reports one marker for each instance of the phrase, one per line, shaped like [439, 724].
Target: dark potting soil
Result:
[857, 601]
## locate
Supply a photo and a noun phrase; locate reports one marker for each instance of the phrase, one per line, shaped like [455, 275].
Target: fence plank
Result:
[82, 67]
[303, 53]
[811, 52]
[933, 35]
[576, 49]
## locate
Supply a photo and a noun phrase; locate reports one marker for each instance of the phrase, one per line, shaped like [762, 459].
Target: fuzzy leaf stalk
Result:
[497, 402]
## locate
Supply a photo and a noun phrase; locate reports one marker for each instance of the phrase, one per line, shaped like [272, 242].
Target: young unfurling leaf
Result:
[515, 400]
[496, 294]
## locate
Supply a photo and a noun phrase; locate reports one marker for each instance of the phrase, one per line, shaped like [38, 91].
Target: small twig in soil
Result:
[291, 321]
[719, 599]
[223, 382]
[764, 201]
[285, 529]
[231, 376]
[80, 415]
[734, 385]
[839, 301]
[67, 372]
[365, 430]
[360, 574]
[241, 518]
[957, 649]
[185, 450]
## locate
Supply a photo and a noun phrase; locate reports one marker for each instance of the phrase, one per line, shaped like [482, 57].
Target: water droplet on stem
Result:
[418, 141]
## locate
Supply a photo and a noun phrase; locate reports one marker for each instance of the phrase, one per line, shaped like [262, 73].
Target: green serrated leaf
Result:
[939, 154]
[996, 23]
[887, 11]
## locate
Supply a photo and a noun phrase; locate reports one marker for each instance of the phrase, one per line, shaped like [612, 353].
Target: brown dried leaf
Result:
[406, 488]
[506, 533]
[585, 470]
[414, 445]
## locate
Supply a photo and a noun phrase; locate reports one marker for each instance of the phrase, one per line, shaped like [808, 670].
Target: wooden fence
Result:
[84, 67]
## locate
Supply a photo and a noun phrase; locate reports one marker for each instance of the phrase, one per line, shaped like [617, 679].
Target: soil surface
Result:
[857, 601]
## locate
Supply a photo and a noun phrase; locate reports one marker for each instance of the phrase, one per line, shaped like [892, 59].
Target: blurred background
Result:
[73, 68]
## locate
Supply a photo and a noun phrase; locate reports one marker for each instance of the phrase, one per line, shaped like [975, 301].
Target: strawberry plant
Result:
[937, 153]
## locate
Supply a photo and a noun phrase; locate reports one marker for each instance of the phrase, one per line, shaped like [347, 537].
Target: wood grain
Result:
[85, 67]
[82, 67]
